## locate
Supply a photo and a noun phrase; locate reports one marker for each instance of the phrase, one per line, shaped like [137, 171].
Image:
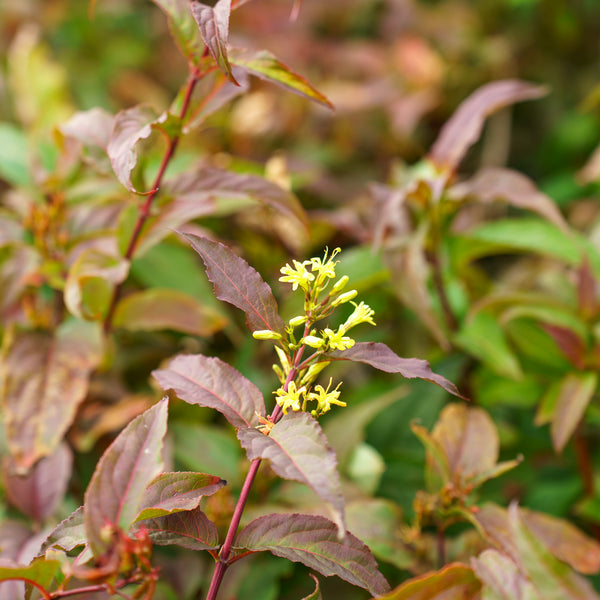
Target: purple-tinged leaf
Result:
[552, 578]
[382, 357]
[44, 379]
[208, 184]
[316, 595]
[491, 184]
[91, 127]
[115, 493]
[38, 493]
[464, 127]
[591, 170]
[266, 66]
[131, 125]
[158, 308]
[297, 449]
[564, 540]
[68, 534]
[213, 383]
[574, 394]
[184, 29]
[189, 529]
[236, 282]
[90, 283]
[587, 290]
[453, 581]
[501, 577]
[571, 344]
[213, 23]
[313, 541]
[176, 492]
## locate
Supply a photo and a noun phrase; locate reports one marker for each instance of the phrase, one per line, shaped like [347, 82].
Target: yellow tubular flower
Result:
[336, 339]
[326, 267]
[297, 276]
[363, 313]
[325, 398]
[266, 334]
[290, 399]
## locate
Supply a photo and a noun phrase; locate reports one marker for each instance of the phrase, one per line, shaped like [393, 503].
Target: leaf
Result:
[208, 184]
[265, 66]
[90, 283]
[491, 184]
[155, 309]
[189, 529]
[41, 572]
[378, 523]
[118, 485]
[213, 383]
[90, 127]
[437, 473]
[553, 579]
[575, 393]
[316, 595]
[297, 449]
[481, 335]
[184, 29]
[68, 534]
[175, 492]
[38, 493]
[313, 541]
[130, 126]
[44, 379]
[213, 23]
[14, 158]
[453, 581]
[501, 578]
[383, 358]
[564, 540]
[464, 127]
[236, 282]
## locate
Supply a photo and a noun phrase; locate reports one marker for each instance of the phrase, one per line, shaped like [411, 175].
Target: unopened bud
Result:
[340, 284]
[296, 321]
[266, 334]
[345, 297]
[313, 341]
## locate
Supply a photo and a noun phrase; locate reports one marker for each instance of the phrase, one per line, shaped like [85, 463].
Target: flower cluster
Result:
[297, 375]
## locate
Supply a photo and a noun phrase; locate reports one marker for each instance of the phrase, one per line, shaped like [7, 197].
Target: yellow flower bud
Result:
[345, 297]
[296, 321]
[266, 334]
[340, 284]
[313, 341]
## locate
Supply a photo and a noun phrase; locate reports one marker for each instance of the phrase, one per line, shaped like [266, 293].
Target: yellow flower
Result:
[363, 313]
[297, 276]
[324, 398]
[336, 340]
[290, 399]
[325, 267]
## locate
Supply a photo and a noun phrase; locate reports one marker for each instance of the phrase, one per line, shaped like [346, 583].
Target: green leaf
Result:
[464, 127]
[501, 578]
[44, 379]
[297, 449]
[313, 541]
[90, 283]
[189, 529]
[176, 492]
[213, 383]
[236, 282]
[574, 394]
[14, 160]
[40, 572]
[383, 358]
[453, 581]
[378, 522]
[266, 66]
[482, 336]
[117, 488]
[552, 578]
[213, 23]
[156, 309]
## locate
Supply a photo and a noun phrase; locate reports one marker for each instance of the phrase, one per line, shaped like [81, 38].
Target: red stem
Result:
[145, 209]
[224, 559]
